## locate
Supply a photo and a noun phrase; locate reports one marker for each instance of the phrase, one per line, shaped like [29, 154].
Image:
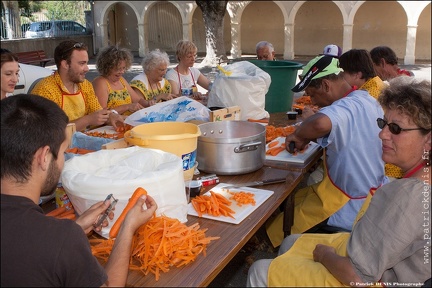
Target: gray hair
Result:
[153, 59]
[263, 44]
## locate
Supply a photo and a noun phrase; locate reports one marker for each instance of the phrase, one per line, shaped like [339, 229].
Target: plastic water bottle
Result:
[212, 76]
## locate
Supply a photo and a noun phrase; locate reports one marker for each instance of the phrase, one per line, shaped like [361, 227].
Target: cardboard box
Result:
[224, 114]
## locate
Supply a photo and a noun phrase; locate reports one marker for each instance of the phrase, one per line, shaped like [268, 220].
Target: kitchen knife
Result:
[256, 183]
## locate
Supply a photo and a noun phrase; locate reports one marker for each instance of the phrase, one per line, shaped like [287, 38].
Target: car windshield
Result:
[40, 26]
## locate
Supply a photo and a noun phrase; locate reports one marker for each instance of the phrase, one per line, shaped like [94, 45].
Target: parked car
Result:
[54, 28]
[29, 76]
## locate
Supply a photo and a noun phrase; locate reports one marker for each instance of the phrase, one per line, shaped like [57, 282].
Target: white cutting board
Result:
[286, 156]
[241, 212]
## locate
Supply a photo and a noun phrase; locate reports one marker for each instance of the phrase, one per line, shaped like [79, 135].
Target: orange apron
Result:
[297, 268]
[313, 204]
[73, 105]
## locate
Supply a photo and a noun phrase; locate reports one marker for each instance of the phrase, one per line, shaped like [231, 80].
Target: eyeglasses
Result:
[393, 127]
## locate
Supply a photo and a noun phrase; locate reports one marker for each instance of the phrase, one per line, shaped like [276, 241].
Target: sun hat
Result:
[332, 50]
[318, 67]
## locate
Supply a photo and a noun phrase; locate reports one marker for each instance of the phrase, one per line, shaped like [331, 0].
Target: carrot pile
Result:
[63, 212]
[121, 129]
[273, 132]
[243, 198]
[215, 205]
[158, 245]
[304, 100]
[76, 150]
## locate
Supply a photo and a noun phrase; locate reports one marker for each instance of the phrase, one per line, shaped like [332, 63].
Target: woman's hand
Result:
[166, 96]
[133, 107]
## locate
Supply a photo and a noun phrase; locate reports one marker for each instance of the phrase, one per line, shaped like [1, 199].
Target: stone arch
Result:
[258, 29]
[104, 17]
[306, 31]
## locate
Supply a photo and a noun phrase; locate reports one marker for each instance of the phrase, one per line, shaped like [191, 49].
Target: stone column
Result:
[347, 37]
[410, 45]
[235, 40]
[187, 31]
[289, 41]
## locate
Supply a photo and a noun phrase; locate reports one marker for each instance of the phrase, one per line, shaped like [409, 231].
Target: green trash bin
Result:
[283, 75]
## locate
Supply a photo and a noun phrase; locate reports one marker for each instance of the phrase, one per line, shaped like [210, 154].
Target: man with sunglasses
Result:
[72, 92]
[346, 127]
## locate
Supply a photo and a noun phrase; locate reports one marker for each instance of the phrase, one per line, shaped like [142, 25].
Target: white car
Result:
[29, 76]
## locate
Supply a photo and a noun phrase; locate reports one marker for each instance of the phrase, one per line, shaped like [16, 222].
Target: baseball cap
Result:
[318, 67]
[332, 50]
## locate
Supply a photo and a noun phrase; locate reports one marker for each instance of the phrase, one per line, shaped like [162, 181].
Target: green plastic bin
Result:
[283, 75]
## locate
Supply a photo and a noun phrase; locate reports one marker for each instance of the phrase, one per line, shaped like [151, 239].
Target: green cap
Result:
[318, 67]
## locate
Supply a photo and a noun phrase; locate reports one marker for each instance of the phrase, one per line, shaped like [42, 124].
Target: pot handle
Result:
[247, 147]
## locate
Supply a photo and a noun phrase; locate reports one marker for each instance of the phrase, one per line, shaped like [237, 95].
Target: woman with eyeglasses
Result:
[111, 88]
[185, 78]
[389, 244]
[9, 72]
[151, 84]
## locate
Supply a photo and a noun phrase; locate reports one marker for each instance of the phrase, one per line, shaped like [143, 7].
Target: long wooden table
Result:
[232, 236]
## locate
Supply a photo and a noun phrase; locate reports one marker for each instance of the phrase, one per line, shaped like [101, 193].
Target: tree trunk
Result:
[13, 20]
[213, 13]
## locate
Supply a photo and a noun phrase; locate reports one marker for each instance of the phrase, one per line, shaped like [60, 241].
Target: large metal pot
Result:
[231, 147]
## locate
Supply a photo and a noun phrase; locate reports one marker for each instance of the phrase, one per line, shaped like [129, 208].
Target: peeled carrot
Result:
[135, 196]
[273, 144]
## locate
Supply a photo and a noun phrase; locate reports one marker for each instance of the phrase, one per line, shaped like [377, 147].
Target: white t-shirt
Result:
[186, 81]
[354, 151]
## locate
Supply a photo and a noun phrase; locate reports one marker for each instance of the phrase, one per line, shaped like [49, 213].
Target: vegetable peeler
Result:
[107, 211]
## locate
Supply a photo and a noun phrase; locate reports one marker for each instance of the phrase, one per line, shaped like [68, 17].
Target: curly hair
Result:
[410, 96]
[185, 47]
[109, 58]
[154, 59]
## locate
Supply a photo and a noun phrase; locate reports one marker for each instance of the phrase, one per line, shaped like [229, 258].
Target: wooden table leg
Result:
[288, 220]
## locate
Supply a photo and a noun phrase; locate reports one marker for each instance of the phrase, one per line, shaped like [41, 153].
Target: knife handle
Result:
[291, 147]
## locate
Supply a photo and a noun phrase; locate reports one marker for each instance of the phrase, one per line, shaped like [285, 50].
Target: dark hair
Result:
[64, 50]
[358, 60]
[28, 122]
[383, 52]
[109, 58]
[7, 56]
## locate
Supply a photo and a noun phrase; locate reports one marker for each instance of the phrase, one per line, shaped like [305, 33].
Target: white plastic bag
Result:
[246, 87]
[181, 109]
[91, 177]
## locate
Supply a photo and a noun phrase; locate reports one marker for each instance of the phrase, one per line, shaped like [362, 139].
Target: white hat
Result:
[332, 50]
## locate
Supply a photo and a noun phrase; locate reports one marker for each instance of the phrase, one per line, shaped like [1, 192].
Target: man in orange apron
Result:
[352, 158]
[71, 91]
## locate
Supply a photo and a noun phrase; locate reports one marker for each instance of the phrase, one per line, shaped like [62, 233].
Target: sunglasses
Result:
[75, 46]
[393, 127]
